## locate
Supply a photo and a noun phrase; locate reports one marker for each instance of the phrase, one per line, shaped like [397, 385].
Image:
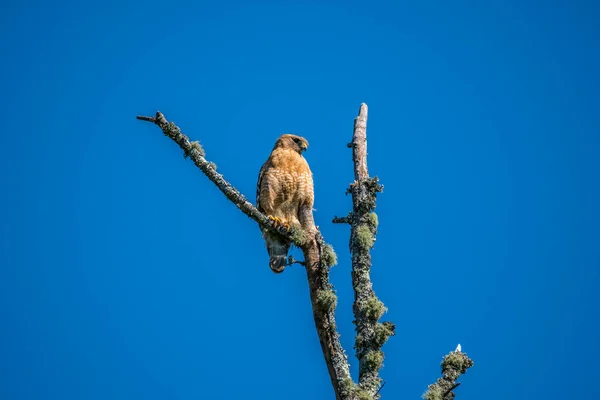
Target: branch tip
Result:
[453, 366]
[143, 118]
[363, 111]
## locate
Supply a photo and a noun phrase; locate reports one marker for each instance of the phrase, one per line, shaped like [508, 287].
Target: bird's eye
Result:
[297, 140]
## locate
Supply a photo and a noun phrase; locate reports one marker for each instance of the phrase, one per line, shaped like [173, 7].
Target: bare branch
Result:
[195, 152]
[359, 144]
[341, 220]
[370, 334]
[291, 261]
[318, 258]
[453, 365]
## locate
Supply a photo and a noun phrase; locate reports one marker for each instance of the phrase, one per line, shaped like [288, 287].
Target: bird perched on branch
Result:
[285, 193]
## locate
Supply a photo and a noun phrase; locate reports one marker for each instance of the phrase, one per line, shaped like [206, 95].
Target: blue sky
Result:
[125, 274]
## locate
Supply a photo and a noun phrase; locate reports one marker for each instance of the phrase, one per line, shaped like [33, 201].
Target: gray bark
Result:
[319, 257]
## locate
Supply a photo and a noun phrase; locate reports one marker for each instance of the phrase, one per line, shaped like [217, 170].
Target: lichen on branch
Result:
[453, 365]
[368, 309]
[318, 257]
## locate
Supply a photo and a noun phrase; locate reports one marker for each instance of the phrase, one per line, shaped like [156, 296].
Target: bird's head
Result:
[294, 142]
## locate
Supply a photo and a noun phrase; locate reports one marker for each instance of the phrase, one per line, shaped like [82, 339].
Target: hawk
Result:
[284, 193]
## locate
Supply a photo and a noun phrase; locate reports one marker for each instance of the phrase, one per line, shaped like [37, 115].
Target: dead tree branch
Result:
[370, 333]
[194, 151]
[453, 365]
[318, 258]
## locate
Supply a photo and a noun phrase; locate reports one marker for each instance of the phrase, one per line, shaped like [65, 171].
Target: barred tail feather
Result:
[278, 249]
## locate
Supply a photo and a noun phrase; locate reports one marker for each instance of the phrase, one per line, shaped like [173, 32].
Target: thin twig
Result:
[149, 119]
[341, 220]
[291, 261]
[451, 389]
[380, 387]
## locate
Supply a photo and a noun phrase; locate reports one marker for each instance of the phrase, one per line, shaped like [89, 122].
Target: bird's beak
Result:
[303, 147]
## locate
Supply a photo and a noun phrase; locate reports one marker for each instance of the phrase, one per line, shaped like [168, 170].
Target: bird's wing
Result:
[259, 184]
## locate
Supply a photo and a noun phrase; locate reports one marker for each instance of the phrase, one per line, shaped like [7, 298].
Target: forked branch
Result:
[318, 258]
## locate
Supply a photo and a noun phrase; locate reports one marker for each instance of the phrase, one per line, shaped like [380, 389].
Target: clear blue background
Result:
[125, 274]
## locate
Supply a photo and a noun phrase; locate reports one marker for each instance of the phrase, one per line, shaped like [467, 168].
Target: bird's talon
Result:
[276, 221]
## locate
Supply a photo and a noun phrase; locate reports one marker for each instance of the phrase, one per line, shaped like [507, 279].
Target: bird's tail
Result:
[278, 249]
